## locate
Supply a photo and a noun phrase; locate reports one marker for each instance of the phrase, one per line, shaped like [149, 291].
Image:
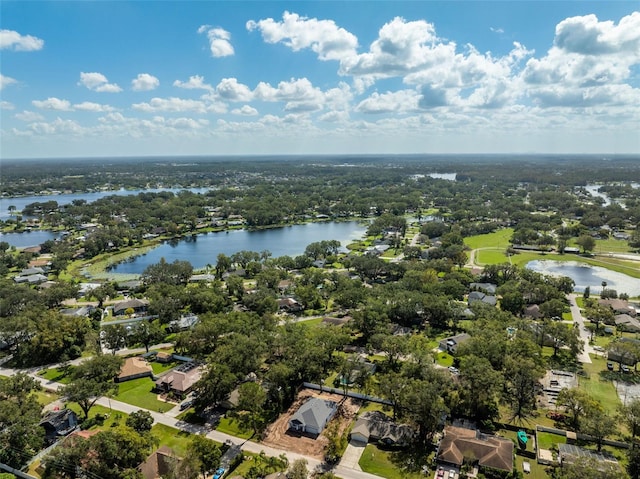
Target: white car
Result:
[452, 474]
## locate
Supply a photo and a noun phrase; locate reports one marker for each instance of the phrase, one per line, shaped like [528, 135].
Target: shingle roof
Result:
[459, 444]
[315, 412]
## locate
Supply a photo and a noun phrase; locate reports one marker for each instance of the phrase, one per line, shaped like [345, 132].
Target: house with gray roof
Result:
[480, 297]
[375, 426]
[313, 416]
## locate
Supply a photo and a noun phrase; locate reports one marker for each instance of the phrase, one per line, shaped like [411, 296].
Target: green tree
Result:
[205, 453]
[251, 401]
[578, 405]
[630, 415]
[298, 469]
[140, 421]
[586, 242]
[598, 424]
[521, 375]
[92, 379]
[214, 386]
[20, 435]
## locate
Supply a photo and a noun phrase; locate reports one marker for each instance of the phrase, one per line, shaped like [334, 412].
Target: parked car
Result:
[219, 473]
[452, 474]
[186, 405]
[610, 366]
[454, 370]
[625, 369]
[440, 472]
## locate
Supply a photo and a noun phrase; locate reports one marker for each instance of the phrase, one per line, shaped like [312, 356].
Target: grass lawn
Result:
[375, 406]
[602, 390]
[538, 471]
[444, 359]
[497, 239]
[382, 463]
[114, 417]
[612, 246]
[312, 323]
[57, 375]
[232, 427]
[138, 393]
[46, 397]
[491, 256]
[173, 438]
[159, 368]
[546, 440]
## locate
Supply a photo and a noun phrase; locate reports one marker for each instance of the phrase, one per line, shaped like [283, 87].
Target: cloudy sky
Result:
[117, 78]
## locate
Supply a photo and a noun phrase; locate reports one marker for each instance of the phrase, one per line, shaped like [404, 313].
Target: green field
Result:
[173, 438]
[138, 393]
[497, 239]
[57, 375]
[601, 389]
[232, 427]
[384, 463]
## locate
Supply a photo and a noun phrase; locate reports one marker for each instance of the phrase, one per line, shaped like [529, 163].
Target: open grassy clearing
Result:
[497, 239]
[57, 375]
[138, 393]
[491, 256]
[384, 463]
[232, 426]
[173, 438]
[601, 389]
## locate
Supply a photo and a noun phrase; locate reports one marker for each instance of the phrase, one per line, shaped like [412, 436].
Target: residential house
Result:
[627, 323]
[375, 426]
[159, 464]
[290, 305]
[84, 311]
[30, 279]
[532, 311]
[134, 368]
[58, 424]
[451, 344]
[460, 445]
[137, 305]
[313, 416]
[488, 288]
[618, 306]
[480, 297]
[183, 323]
[180, 380]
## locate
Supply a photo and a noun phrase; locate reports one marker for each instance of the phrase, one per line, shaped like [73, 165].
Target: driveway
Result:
[585, 335]
[352, 455]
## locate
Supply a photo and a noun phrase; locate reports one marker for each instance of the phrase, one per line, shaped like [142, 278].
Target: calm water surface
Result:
[586, 275]
[28, 238]
[204, 249]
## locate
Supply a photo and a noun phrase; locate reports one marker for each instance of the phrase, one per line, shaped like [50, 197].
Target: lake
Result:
[204, 249]
[586, 275]
[65, 199]
[28, 238]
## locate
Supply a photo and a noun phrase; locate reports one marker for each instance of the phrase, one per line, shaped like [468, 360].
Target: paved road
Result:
[585, 334]
[347, 469]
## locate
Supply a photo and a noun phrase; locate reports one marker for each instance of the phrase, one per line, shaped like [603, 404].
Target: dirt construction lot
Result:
[278, 434]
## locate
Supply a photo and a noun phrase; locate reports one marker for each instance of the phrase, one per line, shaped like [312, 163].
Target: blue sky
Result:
[117, 78]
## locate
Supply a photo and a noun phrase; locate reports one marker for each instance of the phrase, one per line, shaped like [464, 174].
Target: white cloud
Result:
[324, 37]
[496, 30]
[6, 105]
[98, 82]
[402, 101]
[29, 116]
[229, 89]
[296, 89]
[10, 39]
[246, 110]
[56, 127]
[195, 82]
[589, 64]
[219, 41]
[52, 103]
[144, 82]
[90, 106]
[171, 104]
[335, 117]
[587, 35]
[5, 81]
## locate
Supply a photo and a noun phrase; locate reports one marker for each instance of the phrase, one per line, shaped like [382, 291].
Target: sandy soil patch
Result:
[278, 434]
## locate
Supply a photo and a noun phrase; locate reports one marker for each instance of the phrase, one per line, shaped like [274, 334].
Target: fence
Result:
[351, 394]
